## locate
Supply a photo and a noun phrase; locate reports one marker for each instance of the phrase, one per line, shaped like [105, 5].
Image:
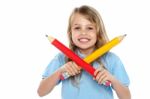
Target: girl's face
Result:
[83, 32]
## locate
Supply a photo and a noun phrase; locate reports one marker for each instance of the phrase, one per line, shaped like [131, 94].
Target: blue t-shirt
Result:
[89, 88]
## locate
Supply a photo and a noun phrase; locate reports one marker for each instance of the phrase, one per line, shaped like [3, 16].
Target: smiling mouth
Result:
[83, 40]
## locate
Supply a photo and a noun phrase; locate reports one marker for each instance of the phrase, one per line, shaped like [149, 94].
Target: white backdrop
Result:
[25, 51]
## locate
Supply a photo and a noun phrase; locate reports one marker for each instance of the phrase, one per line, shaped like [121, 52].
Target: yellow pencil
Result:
[105, 48]
[99, 52]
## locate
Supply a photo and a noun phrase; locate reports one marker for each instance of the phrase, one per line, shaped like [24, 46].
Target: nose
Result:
[83, 32]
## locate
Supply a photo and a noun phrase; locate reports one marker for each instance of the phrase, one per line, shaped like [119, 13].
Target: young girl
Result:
[86, 33]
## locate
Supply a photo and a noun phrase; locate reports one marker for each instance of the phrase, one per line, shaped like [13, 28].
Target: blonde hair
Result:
[93, 16]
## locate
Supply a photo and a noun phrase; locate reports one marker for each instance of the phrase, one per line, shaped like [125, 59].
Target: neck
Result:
[86, 51]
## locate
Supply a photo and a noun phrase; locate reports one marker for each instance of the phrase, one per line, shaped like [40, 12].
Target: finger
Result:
[97, 76]
[74, 68]
[70, 70]
[77, 67]
[98, 70]
[102, 73]
[105, 80]
[102, 79]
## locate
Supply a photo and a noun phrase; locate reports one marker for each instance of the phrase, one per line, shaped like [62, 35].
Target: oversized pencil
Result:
[71, 55]
[74, 57]
[88, 59]
[99, 52]
[105, 48]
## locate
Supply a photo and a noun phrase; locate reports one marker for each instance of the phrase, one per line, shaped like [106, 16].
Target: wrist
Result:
[113, 80]
[61, 70]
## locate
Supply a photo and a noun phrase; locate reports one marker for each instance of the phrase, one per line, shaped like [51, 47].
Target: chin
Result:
[84, 48]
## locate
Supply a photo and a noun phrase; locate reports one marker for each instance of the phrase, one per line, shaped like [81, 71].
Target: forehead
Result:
[80, 19]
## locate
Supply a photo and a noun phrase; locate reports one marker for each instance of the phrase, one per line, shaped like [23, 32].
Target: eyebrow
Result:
[85, 25]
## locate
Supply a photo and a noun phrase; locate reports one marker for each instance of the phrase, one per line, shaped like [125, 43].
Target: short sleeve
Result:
[117, 68]
[54, 64]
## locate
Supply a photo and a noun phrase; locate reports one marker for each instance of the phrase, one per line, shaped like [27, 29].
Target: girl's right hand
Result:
[71, 68]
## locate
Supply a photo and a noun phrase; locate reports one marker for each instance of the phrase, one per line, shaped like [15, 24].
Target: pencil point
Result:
[122, 37]
[46, 35]
[50, 38]
[125, 35]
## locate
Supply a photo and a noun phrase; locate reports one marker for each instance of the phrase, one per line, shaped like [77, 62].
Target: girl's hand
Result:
[71, 68]
[102, 75]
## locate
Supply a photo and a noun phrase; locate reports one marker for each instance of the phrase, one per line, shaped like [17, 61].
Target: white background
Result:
[25, 51]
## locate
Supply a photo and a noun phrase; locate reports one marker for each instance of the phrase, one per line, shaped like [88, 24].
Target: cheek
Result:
[94, 37]
[73, 37]
[94, 41]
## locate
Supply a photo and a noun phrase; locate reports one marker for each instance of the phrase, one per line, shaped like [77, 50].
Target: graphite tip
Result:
[46, 35]
[125, 35]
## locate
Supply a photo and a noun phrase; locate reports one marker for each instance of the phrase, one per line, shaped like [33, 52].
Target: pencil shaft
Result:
[102, 50]
[74, 57]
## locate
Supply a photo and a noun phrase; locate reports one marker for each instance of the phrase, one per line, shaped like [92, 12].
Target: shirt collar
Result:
[80, 54]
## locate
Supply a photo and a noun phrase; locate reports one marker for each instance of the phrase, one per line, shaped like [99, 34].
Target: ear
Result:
[69, 33]
[70, 38]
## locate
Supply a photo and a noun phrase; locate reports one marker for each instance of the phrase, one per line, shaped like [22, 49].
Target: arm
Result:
[48, 83]
[122, 91]
[103, 75]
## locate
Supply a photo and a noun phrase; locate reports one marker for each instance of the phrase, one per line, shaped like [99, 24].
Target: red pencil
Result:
[70, 54]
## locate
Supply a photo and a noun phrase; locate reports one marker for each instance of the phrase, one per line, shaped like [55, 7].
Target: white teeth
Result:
[83, 40]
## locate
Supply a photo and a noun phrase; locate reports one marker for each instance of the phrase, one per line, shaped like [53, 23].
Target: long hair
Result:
[93, 16]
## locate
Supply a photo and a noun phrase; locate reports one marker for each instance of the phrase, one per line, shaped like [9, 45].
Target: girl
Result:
[86, 33]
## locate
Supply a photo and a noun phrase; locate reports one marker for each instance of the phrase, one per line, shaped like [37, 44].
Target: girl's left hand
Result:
[102, 75]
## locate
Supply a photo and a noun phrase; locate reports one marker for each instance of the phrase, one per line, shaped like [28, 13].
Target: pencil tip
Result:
[46, 35]
[125, 35]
